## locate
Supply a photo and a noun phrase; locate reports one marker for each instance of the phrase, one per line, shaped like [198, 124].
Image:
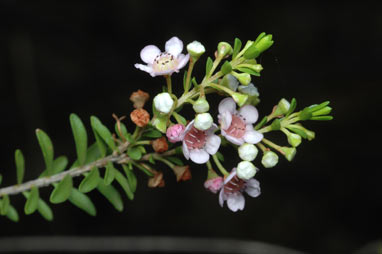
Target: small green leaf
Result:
[90, 181]
[103, 132]
[299, 132]
[226, 68]
[220, 156]
[261, 123]
[62, 190]
[259, 38]
[4, 205]
[314, 108]
[20, 166]
[143, 150]
[184, 80]
[109, 173]
[12, 214]
[46, 148]
[131, 178]
[322, 118]
[44, 210]
[236, 47]
[151, 159]
[179, 118]
[209, 64]
[276, 124]
[175, 160]
[134, 153]
[80, 137]
[122, 132]
[292, 107]
[32, 201]
[82, 201]
[124, 184]
[152, 133]
[252, 52]
[249, 71]
[59, 164]
[193, 80]
[112, 195]
[305, 114]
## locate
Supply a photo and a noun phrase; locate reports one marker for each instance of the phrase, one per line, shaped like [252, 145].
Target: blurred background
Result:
[59, 57]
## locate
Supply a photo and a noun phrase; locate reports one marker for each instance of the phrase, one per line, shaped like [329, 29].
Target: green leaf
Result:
[179, 118]
[124, 184]
[46, 148]
[112, 195]
[62, 190]
[12, 214]
[314, 108]
[299, 132]
[152, 133]
[134, 153]
[276, 124]
[249, 71]
[252, 52]
[131, 178]
[209, 64]
[103, 132]
[59, 164]
[193, 80]
[292, 107]
[109, 173]
[261, 123]
[175, 160]
[4, 205]
[122, 133]
[220, 156]
[20, 166]
[151, 159]
[236, 47]
[82, 201]
[226, 68]
[32, 201]
[44, 210]
[305, 114]
[90, 181]
[259, 38]
[80, 137]
[322, 118]
[184, 80]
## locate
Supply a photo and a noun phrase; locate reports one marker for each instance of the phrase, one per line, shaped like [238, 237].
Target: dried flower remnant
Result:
[160, 145]
[140, 117]
[157, 180]
[139, 98]
[182, 173]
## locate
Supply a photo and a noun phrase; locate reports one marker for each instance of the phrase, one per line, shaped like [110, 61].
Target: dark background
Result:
[59, 57]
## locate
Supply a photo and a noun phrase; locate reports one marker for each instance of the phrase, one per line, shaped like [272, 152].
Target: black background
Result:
[59, 57]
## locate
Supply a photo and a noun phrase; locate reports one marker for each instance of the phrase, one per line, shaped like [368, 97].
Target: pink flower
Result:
[174, 133]
[198, 145]
[214, 184]
[163, 63]
[233, 188]
[236, 126]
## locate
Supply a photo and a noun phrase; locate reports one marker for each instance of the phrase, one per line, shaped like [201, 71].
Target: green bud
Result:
[240, 98]
[195, 49]
[230, 81]
[244, 78]
[264, 43]
[270, 159]
[294, 139]
[201, 105]
[246, 170]
[289, 152]
[226, 68]
[324, 111]
[203, 121]
[283, 106]
[224, 49]
[305, 114]
[248, 152]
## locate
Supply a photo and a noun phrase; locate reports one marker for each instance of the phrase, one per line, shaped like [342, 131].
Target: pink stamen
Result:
[237, 127]
[195, 139]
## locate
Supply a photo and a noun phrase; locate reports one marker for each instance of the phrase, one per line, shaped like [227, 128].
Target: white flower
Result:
[248, 152]
[246, 170]
[270, 159]
[198, 145]
[196, 49]
[203, 121]
[163, 102]
[163, 63]
[236, 126]
[234, 187]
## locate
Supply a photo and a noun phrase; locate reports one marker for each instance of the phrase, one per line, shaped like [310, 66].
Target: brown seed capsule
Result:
[156, 180]
[139, 98]
[183, 173]
[140, 117]
[160, 145]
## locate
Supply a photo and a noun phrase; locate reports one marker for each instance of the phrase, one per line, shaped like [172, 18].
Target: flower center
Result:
[195, 139]
[234, 185]
[164, 62]
[237, 127]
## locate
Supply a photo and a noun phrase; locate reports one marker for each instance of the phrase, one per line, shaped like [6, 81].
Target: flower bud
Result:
[163, 102]
[224, 49]
[244, 78]
[324, 111]
[240, 98]
[214, 184]
[203, 121]
[290, 152]
[248, 152]
[230, 81]
[259, 46]
[195, 49]
[160, 145]
[253, 93]
[270, 159]
[283, 106]
[174, 133]
[264, 43]
[246, 170]
[201, 105]
[140, 117]
[294, 139]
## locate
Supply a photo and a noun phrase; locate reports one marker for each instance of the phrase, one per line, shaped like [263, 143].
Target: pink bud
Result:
[174, 133]
[214, 184]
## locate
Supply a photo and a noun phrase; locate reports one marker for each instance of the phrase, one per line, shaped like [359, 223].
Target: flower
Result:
[174, 133]
[163, 63]
[182, 173]
[139, 98]
[234, 187]
[203, 121]
[160, 145]
[214, 184]
[270, 159]
[246, 170]
[140, 117]
[163, 102]
[195, 49]
[248, 152]
[198, 145]
[236, 126]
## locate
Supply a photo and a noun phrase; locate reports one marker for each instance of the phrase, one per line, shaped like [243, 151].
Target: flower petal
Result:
[233, 140]
[174, 46]
[252, 136]
[221, 197]
[249, 113]
[228, 104]
[149, 53]
[225, 120]
[253, 188]
[182, 60]
[145, 68]
[230, 176]
[236, 202]
[186, 152]
[199, 156]
[212, 144]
